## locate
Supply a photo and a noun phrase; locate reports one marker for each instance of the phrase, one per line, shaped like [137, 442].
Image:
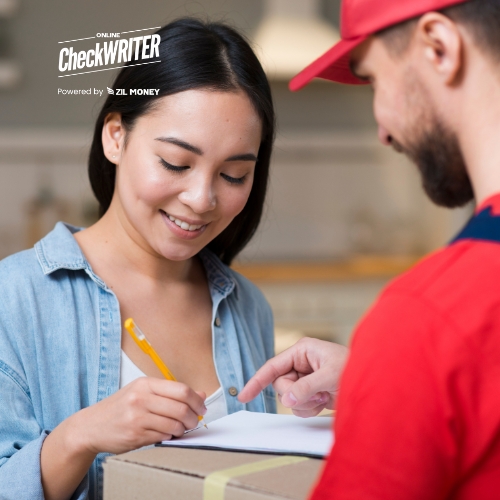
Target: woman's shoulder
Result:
[28, 269]
[22, 284]
[19, 266]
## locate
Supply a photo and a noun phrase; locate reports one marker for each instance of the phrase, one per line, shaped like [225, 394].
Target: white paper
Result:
[264, 432]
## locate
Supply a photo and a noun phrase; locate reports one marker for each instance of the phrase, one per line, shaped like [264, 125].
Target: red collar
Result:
[493, 202]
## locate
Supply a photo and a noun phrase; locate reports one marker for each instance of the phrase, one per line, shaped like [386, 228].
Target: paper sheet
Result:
[263, 432]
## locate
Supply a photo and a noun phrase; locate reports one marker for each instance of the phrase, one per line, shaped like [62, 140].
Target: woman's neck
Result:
[112, 241]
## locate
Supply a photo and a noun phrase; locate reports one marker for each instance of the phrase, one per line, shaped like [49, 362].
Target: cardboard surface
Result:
[176, 473]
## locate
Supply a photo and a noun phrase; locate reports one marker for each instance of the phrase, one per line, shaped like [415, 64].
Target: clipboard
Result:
[263, 433]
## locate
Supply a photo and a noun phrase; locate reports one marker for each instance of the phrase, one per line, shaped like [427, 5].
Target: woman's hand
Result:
[144, 412]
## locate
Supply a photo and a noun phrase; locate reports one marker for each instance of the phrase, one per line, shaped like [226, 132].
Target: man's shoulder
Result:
[454, 289]
[464, 269]
[443, 311]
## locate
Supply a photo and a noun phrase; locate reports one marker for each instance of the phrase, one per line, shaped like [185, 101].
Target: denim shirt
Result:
[60, 342]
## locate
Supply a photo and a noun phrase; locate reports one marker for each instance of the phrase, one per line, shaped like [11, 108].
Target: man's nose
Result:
[384, 136]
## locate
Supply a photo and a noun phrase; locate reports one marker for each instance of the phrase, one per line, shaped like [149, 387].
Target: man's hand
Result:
[305, 376]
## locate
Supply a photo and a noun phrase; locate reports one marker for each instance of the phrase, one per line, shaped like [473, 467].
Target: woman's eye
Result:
[172, 168]
[234, 180]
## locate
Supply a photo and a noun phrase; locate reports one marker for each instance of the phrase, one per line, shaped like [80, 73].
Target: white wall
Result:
[336, 194]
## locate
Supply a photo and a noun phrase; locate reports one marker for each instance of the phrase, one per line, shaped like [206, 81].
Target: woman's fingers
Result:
[202, 395]
[144, 412]
[173, 409]
[179, 392]
[156, 437]
[163, 425]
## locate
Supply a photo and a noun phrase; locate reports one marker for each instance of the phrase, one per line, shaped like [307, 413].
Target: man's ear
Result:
[442, 45]
[113, 137]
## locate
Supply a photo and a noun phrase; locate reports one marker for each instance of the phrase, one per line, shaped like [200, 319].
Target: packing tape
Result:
[215, 483]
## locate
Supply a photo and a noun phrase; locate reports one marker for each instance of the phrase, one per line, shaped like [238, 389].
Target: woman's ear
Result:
[442, 45]
[113, 137]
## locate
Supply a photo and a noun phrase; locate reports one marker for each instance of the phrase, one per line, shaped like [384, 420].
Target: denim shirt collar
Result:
[60, 250]
[219, 279]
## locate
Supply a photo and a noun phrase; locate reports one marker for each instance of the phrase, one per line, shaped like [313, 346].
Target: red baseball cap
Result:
[359, 20]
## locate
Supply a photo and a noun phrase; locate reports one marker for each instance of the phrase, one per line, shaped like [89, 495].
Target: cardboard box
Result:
[180, 474]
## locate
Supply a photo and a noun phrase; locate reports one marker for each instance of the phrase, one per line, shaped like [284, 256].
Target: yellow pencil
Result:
[141, 340]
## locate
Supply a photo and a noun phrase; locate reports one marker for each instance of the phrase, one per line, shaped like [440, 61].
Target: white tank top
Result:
[215, 403]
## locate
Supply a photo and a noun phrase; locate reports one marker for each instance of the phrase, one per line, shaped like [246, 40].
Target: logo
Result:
[99, 92]
[112, 54]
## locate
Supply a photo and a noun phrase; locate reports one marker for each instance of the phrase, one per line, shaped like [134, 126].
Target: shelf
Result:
[356, 268]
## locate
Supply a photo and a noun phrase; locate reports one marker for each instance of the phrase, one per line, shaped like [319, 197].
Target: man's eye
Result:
[234, 180]
[172, 168]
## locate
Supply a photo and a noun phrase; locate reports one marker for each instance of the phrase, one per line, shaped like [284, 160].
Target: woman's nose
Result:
[199, 196]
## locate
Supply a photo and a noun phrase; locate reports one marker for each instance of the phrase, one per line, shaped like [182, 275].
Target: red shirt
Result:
[419, 406]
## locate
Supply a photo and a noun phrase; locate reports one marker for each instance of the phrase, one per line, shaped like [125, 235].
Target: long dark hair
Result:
[194, 55]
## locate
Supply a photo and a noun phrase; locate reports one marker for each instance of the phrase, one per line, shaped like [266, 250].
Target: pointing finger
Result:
[267, 374]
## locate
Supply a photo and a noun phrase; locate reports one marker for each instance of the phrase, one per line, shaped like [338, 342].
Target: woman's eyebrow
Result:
[181, 143]
[198, 151]
[242, 157]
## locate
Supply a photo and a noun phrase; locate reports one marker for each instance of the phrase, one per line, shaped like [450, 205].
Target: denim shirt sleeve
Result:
[21, 441]
[21, 435]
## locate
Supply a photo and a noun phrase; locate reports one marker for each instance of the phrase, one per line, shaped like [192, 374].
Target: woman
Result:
[181, 180]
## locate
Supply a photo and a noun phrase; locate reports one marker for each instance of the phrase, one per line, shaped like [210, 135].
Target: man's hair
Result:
[481, 17]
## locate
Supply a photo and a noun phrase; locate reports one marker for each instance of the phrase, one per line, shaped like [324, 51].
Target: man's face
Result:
[410, 122]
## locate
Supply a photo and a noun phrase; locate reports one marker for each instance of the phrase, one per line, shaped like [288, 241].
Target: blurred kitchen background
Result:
[344, 215]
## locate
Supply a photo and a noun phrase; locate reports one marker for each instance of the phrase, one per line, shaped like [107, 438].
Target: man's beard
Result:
[438, 156]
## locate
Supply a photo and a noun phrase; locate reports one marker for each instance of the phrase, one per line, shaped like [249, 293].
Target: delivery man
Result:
[419, 404]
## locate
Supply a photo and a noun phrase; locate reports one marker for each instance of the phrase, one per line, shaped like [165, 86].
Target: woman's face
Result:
[186, 170]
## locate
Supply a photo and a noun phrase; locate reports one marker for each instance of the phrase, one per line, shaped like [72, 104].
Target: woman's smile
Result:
[184, 228]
